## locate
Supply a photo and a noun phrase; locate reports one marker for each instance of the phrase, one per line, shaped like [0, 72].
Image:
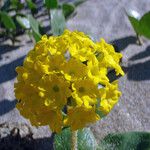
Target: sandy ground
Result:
[98, 18]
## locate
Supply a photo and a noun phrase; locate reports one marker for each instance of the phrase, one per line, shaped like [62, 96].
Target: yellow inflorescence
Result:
[58, 84]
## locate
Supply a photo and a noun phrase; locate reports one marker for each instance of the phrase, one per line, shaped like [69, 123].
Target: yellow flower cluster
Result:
[63, 81]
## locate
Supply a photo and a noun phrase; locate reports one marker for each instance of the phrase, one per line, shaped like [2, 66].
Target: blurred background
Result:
[21, 25]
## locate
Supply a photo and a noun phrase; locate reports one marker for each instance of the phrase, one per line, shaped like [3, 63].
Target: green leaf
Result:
[35, 28]
[68, 9]
[126, 141]
[7, 21]
[86, 140]
[16, 4]
[31, 5]
[58, 23]
[33, 23]
[134, 18]
[145, 25]
[23, 22]
[36, 35]
[51, 4]
[62, 141]
[98, 111]
[135, 24]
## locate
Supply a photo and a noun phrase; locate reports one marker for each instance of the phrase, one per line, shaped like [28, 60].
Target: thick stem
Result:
[74, 144]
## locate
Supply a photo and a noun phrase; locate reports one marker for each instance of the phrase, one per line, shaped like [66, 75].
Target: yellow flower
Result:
[47, 46]
[109, 62]
[64, 73]
[84, 88]
[53, 118]
[80, 117]
[80, 45]
[61, 45]
[41, 68]
[55, 63]
[22, 74]
[109, 97]
[110, 58]
[26, 91]
[74, 69]
[84, 100]
[80, 53]
[42, 115]
[56, 90]
[85, 92]
[96, 73]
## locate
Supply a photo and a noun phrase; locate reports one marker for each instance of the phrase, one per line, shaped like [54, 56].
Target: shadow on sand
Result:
[6, 106]
[7, 72]
[122, 43]
[7, 48]
[15, 142]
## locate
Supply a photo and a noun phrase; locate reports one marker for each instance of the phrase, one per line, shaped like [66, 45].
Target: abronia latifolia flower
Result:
[58, 82]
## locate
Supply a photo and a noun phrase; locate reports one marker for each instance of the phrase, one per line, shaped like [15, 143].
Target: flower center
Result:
[55, 88]
[71, 73]
[81, 89]
[55, 68]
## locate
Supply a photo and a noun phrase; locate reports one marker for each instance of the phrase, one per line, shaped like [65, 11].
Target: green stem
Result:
[49, 16]
[139, 40]
[74, 144]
